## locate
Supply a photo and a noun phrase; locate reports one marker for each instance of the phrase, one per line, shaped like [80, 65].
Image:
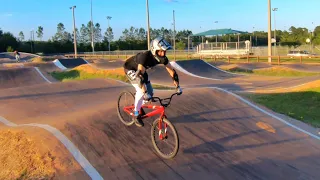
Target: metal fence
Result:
[223, 46]
[284, 50]
[131, 52]
[256, 51]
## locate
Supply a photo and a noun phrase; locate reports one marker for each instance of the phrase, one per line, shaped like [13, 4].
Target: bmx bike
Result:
[162, 130]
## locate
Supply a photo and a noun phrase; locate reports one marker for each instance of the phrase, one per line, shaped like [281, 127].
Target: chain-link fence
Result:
[284, 50]
[223, 46]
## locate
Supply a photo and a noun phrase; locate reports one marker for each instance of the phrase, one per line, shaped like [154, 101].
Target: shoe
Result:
[147, 97]
[137, 119]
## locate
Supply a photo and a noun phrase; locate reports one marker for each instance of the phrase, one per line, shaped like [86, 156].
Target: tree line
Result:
[136, 39]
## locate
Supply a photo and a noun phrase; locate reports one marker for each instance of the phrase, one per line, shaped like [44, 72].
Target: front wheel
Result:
[125, 100]
[165, 138]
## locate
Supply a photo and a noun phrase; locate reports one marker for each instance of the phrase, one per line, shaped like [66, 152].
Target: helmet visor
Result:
[164, 45]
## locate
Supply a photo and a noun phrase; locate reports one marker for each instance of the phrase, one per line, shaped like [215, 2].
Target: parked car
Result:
[299, 53]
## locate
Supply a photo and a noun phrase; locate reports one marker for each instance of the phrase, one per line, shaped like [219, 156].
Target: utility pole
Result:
[92, 32]
[31, 41]
[275, 30]
[174, 36]
[216, 22]
[74, 33]
[253, 35]
[269, 32]
[148, 24]
[109, 18]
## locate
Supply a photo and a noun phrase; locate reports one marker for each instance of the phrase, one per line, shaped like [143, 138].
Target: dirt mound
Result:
[89, 69]
[21, 158]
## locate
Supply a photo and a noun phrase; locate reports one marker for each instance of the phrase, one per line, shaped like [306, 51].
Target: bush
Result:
[180, 45]
[9, 49]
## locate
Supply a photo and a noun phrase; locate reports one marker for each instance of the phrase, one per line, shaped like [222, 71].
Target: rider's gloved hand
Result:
[147, 96]
[179, 90]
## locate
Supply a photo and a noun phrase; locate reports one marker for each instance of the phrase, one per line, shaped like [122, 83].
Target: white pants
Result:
[138, 101]
[17, 57]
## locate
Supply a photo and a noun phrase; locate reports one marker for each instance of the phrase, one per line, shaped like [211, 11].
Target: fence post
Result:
[215, 58]
[258, 58]
[278, 60]
[229, 59]
[300, 59]
[247, 58]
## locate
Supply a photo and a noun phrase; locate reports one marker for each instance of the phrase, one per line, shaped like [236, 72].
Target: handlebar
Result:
[155, 99]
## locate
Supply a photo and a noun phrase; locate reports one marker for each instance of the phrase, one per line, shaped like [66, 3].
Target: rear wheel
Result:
[125, 99]
[166, 140]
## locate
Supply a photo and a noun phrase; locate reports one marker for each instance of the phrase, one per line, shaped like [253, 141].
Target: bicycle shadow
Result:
[220, 145]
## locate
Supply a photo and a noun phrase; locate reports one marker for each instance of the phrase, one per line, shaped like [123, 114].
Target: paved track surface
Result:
[201, 68]
[252, 66]
[159, 75]
[305, 67]
[17, 77]
[219, 136]
[71, 63]
[10, 57]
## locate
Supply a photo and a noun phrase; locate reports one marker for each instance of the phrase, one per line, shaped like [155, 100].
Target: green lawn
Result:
[273, 72]
[303, 106]
[73, 75]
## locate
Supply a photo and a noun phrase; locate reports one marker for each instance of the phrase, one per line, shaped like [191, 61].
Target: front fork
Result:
[162, 128]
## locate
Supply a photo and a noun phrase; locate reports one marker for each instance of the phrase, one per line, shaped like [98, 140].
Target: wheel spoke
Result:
[167, 148]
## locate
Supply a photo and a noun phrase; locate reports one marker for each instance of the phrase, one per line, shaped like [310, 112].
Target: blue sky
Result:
[195, 15]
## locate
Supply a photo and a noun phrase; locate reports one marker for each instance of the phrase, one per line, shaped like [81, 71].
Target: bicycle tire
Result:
[124, 117]
[154, 135]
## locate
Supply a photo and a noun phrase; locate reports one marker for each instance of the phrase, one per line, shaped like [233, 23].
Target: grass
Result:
[72, 75]
[303, 106]
[85, 72]
[274, 71]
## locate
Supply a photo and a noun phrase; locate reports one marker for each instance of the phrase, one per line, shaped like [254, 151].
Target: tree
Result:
[40, 32]
[108, 35]
[128, 34]
[180, 45]
[21, 36]
[6, 40]
[84, 35]
[61, 35]
[317, 31]
[77, 35]
[97, 33]
[183, 35]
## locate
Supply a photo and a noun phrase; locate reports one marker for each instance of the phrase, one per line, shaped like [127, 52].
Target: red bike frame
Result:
[157, 110]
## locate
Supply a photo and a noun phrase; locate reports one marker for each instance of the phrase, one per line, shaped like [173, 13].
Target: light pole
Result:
[109, 18]
[148, 24]
[74, 33]
[31, 40]
[275, 30]
[92, 32]
[216, 22]
[174, 36]
[312, 34]
[269, 32]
